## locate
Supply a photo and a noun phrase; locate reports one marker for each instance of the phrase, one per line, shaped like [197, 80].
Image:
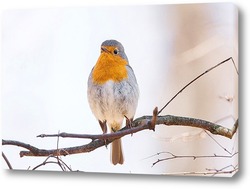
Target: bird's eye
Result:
[116, 51]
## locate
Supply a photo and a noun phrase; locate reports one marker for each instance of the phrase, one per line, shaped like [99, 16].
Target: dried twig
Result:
[58, 161]
[7, 161]
[194, 157]
[230, 169]
[210, 69]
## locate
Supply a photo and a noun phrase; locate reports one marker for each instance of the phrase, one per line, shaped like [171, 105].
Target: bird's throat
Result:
[108, 68]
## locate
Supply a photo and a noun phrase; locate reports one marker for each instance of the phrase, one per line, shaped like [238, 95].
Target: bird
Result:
[113, 92]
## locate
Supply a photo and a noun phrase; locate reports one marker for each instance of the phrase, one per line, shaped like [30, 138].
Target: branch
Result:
[142, 123]
[58, 161]
[183, 88]
[230, 169]
[173, 156]
[7, 161]
[223, 170]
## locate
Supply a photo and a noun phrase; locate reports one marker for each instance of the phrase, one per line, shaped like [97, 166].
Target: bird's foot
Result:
[129, 123]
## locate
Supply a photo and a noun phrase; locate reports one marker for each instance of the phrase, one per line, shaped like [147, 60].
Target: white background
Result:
[104, 179]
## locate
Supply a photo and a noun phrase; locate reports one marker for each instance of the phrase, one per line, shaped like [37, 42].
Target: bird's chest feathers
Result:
[109, 68]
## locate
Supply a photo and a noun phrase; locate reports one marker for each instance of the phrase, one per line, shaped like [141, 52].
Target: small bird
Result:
[113, 92]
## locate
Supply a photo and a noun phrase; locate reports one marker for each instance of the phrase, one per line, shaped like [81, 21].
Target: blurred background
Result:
[47, 56]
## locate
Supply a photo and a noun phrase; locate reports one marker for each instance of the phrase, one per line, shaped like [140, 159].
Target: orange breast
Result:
[109, 67]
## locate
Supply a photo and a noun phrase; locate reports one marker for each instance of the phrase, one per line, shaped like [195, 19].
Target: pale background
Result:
[48, 55]
[55, 100]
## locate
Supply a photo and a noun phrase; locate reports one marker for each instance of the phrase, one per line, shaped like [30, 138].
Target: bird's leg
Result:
[129, 123]
[103, 126]
[104, 129]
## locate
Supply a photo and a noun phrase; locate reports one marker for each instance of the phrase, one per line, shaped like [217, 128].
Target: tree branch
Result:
[142, 123]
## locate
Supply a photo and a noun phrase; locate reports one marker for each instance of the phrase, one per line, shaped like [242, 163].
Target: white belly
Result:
[112, 101]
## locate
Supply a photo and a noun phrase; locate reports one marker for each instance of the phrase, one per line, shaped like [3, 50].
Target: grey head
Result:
[114, 43]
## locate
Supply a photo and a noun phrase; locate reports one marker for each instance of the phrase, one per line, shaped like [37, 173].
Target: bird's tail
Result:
[116, 152]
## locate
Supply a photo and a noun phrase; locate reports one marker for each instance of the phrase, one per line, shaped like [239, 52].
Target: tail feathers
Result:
[116, 153]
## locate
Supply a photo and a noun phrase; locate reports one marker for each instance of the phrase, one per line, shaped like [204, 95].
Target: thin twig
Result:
[7, 161]
[217, 142]
[222, 170]
[208, 70]
[173, 156]
[57, 157]
[59, 162]
[208, 172]
[43, 163]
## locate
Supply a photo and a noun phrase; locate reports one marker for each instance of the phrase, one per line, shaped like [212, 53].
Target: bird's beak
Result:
[103, 49]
